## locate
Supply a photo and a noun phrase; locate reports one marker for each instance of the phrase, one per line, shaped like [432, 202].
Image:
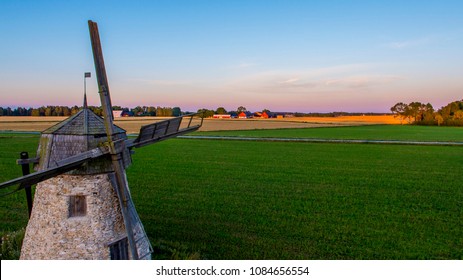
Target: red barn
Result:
[242, 115]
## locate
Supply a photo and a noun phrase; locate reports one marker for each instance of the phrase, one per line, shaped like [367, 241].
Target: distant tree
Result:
[35, 112]
[400, 110]
[427, 113]
[458, 115]
[138, 111]
[97, 110]
[450, 113]
[241, 109]
[221, 111]
[58, 111]
[176, 112]
[439, 119]
[163, 111]
[42, 111]
[415, 110]
[74, 110]
[205, 113]
[66, 111]
[424, 114]
[151, 111]
[48, 111]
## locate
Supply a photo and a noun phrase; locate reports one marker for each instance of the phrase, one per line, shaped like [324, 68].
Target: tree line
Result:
[208, 113]
[424, 114]
[65, 111]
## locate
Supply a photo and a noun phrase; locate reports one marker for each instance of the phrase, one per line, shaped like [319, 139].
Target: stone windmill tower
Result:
[82, 206]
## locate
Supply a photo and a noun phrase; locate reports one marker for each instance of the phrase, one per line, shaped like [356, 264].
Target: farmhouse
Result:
[245, 115]
[117, 113]
[221, 116]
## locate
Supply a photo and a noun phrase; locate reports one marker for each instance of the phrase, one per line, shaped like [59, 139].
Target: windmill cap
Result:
[85, 122]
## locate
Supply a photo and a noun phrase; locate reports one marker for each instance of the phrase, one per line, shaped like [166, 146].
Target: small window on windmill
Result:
[77, 206]
[119, 250]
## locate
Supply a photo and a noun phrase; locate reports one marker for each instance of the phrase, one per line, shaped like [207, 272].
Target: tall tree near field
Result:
[415, 109]
[439, 119]
[400, 110]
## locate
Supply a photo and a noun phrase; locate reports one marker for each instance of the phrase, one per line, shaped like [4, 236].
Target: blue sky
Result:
[306, 56]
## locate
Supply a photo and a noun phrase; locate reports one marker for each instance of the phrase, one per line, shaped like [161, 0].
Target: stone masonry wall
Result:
[51, 234]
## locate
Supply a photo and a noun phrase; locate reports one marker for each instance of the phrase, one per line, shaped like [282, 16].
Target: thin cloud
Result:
[307, 81]
[289, 81]
[363, 81]
[156, 82]
[399, 45]
[243, 65]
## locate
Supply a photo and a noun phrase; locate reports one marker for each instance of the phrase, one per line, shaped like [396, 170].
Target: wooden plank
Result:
[174, 125]
[62, 166]
[138, 144]
[162, 130]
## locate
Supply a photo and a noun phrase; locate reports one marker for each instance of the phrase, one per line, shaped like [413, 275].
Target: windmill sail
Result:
[141, 241]
[61, 167]
[116, 147]
[163, 130]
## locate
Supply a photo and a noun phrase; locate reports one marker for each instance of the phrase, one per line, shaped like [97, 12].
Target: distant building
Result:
[257, 115]
[263, 115]
[221, 116]
[117, 113]
[127, 114]
[242, 115]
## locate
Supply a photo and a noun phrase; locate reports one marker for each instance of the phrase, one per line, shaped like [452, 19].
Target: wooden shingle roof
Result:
[85, 122]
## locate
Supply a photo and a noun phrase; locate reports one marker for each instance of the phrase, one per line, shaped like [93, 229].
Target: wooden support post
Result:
[26, 171]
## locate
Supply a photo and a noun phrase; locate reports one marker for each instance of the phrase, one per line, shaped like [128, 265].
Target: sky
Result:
[298, 56]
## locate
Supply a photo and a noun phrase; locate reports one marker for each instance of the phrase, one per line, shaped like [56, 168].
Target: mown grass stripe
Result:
[315, 140]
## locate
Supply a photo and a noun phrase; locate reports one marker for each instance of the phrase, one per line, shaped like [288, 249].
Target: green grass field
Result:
[370, 132]
[266, 200]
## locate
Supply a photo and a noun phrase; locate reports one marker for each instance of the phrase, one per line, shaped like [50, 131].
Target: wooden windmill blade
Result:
[163, 130]
[61, 167]
[116, 147]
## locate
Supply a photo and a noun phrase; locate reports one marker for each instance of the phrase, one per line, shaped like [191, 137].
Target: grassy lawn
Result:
[369, 132]
[265, 200]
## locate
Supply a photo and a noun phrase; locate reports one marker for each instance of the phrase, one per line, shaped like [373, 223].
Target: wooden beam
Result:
[115, 148]
[61, 167]
[26, 171]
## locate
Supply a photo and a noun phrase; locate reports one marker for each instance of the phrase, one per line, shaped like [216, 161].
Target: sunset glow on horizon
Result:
[298, 56]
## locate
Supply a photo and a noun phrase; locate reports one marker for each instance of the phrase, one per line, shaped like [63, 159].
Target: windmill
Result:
[82, 204]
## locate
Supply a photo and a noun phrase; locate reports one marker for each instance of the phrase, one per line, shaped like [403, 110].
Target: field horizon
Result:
[133, 124]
